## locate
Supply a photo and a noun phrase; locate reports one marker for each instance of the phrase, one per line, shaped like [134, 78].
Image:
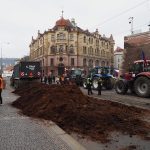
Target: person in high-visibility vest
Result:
[1, 88]
[89, 84]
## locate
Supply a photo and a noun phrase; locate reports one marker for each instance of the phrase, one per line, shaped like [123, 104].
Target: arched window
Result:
[103, 63]
[107, 63]
[91, 63]
[71, 50]
[97, 63]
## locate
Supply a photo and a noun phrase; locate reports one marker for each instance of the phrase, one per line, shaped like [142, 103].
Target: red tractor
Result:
[137, 79]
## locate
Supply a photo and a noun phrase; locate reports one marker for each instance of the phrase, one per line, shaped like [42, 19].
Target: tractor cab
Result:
[101, 71]
[140, 66]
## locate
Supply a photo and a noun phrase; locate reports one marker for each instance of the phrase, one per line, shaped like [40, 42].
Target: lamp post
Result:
[149, 26]
[131, 22]
[1, 71]
[1, 62]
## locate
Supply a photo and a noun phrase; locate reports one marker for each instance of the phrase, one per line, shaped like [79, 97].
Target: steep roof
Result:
[63, 22]
[138, 39]
[118, 49]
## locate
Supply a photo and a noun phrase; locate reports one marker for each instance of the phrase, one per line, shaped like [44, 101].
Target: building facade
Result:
[118, 58]
[140, 41]
[134, 46]
[67, 46]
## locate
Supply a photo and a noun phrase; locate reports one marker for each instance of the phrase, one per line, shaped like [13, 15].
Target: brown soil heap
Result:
[73, 111]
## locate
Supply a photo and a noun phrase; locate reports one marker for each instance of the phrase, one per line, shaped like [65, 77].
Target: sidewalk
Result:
[18, 132]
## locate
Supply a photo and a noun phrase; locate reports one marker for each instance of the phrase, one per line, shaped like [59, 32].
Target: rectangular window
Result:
[52, 61]
[72, 61]
[71, 37]
[52, 37]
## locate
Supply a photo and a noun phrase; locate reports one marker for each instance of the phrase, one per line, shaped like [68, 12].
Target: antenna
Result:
[131, 22]
[62, 13]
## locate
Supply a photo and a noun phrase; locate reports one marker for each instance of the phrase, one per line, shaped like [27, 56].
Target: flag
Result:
[143, 57]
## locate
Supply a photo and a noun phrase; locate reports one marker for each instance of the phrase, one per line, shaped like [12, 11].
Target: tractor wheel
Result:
[142, 87]
[95, 84]
[121, 87]
[85, 83]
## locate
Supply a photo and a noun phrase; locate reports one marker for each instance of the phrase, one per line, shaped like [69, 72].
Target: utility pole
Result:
[131, 22]
[149, 26]
[1, 62]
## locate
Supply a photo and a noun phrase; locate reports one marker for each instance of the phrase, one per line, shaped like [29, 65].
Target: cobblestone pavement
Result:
[18, 132]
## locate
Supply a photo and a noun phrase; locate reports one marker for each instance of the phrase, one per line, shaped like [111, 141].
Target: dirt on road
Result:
[75, 112]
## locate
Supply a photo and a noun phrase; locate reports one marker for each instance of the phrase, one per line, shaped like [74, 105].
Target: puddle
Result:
[118, 142]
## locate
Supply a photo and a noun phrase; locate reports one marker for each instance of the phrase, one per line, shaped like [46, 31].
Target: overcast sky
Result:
[21, 19]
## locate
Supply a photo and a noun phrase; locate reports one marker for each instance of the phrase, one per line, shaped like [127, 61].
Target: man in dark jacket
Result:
[99, 86]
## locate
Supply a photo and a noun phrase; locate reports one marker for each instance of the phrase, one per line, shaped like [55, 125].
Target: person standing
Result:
[49, 79]
[1, 88]
[89, 84]
[45, 79]
[99, 86]
[54, 78]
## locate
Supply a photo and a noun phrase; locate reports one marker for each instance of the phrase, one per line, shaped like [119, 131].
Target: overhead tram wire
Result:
[123, 12]
[136, 27]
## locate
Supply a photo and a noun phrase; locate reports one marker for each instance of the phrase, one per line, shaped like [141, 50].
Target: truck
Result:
[103, 72]
[137, 79]
[25, 72]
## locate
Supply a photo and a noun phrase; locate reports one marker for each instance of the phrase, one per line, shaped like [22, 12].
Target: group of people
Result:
[89, 86]
[49, 79]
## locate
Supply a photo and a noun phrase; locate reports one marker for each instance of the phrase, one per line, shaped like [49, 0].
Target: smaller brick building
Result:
[138, 41]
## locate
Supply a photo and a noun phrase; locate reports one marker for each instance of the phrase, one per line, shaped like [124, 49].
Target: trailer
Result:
[25, 72]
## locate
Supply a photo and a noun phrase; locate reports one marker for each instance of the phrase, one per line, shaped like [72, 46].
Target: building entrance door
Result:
[61, 69]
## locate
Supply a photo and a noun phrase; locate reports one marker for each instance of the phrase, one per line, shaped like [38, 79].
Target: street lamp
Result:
[1, 71]
[149, 26]
[131, 22]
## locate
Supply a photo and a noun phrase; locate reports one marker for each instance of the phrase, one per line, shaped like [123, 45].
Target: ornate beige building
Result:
[67, 46]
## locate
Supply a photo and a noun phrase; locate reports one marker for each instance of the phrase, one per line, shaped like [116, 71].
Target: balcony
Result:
[61, 40]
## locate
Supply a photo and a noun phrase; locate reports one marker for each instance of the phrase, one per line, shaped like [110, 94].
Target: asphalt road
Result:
[128, 99]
